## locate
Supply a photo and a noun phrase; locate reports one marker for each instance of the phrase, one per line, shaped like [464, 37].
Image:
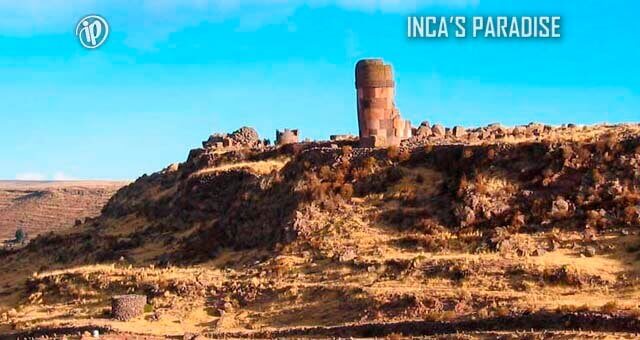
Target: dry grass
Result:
[39, 207]
[258, 167]
[349, 263]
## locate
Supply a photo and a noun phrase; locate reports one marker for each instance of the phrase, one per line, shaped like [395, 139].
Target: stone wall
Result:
[286, 137]
[379, 120]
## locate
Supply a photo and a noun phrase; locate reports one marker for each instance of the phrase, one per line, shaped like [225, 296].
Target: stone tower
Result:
[286, 137]
[379, 120]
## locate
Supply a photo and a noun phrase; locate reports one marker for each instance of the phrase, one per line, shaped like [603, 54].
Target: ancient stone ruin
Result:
[287, 136]
[127, 307]
[347, 137]
[379, 119]
[241, 138]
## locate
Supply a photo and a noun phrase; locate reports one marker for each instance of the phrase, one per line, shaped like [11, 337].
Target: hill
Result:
[530, 233]
[42, 206]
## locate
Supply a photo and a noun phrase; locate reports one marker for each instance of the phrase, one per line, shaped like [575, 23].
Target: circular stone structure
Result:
[127, 307]
[379, 120]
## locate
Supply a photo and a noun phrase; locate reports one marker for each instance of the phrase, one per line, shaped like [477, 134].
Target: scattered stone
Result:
[337, 138]
[347, 255]
[539, 252]
[589, 251]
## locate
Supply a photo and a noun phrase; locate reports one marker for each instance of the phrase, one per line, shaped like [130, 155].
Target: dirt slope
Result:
[333, 240]
[39, 207]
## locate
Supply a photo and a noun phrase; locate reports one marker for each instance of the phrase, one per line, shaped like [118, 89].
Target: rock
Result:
[243, 137]
[438, 130]
[519, 220]
[560, 207]
[589, 251]
[468, 216]
[539, 252]
[348, 255]
[423, 131]
[173, 167]
[458, 131]
[425, 123]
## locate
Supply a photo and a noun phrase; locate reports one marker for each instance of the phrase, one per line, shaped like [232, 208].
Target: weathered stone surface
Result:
[560, 207]
[589, 251]
[379, 120]
[287, 136]
[243, 137]
[423, 131]
[459, 131]
[337, 138]
[438, 130]
[127, 307]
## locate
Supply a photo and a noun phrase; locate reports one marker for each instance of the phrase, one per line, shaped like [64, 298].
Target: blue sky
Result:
[173, 72]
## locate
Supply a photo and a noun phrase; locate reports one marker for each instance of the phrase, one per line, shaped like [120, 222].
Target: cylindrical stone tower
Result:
[379, 120]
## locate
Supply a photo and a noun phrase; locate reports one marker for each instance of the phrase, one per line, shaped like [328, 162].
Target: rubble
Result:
[242, 138]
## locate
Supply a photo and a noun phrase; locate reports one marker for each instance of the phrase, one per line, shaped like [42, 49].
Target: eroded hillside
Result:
[331, 239]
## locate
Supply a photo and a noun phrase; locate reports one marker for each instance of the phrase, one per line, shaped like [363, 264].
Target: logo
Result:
[92, 31]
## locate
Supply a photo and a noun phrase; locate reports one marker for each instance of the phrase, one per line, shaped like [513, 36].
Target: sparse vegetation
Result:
[313, 236]
[20, 235]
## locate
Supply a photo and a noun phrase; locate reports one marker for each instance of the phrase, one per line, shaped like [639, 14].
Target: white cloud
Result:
[30, 176]
[38, 176]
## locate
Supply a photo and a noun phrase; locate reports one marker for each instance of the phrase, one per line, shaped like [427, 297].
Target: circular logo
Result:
[92, 31]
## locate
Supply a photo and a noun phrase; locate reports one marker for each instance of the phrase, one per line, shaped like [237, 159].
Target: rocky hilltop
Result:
[507, 230]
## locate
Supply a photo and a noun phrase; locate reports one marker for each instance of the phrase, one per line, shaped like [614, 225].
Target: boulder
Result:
[560, 207]
[438, 130]
[459, 131]
[423, 131]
